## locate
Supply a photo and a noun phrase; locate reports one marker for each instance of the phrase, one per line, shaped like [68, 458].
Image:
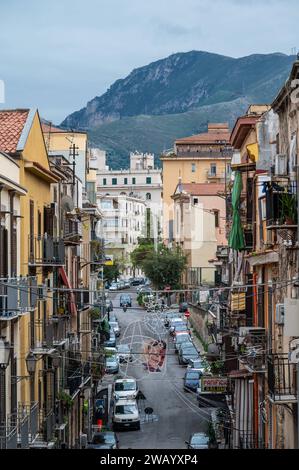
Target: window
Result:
[148, 180]
[193, 167]
[114, 181]
[148, 196]
[106, 204]
[125, 180]
[195, 201]
[213, 169]
[133, 180]
[104, 181]
[216, 213]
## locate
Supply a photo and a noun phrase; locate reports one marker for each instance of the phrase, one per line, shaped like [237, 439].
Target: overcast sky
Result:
[57, 55]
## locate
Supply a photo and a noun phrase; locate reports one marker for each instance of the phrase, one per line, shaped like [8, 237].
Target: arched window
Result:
[148, 196]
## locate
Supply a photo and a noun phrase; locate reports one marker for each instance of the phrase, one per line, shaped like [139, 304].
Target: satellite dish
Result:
[67, 203]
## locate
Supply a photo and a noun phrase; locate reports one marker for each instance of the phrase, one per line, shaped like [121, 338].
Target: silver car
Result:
[115, 327]
[124, 353]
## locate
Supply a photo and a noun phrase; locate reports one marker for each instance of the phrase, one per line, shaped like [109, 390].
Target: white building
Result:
[142, 180]
[123, 222]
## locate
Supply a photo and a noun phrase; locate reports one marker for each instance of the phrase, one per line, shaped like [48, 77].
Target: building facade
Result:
[201, 158]
[141, 180]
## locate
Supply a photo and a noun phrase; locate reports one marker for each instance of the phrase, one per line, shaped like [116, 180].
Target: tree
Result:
[164, 267]
[111, 273]
[144, 249]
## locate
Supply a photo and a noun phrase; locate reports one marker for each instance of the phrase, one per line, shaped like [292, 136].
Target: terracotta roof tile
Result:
[203, 189]
[50, 128]
[12, 123]
[216, 132]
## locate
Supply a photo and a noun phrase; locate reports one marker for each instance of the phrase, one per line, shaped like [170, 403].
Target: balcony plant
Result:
[94, 313]
[288, 208]
[65, 399]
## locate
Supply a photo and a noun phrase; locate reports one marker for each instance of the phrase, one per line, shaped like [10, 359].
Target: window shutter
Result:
[3, 252]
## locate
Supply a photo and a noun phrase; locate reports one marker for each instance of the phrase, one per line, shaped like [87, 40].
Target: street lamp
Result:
[5, 350]
[31, 363]
[31, 367]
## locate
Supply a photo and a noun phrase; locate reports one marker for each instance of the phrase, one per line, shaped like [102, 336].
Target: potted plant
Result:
[65, 399]
[288, 208]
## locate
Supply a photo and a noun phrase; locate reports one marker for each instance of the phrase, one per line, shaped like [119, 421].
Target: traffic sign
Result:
[187, 314]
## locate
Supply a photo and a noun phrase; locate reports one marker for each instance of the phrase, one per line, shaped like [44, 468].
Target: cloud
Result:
[58, 55]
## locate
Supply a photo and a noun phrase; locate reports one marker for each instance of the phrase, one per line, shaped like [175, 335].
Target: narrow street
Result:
[176, 414]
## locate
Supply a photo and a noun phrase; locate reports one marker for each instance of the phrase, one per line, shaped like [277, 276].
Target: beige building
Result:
[142, 180]
[201, 158]
[123, 223]
[199, 227]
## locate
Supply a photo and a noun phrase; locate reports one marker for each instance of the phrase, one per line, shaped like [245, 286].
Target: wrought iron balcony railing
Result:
[18, 296]
[282, 379]
[21, 428]
[45, 250]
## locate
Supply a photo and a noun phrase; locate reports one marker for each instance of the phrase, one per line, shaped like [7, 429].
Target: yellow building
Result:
[22, 138]
[201, 158]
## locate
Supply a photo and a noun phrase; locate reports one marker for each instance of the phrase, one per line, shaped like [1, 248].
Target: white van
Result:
[125, 414]
[125, 388]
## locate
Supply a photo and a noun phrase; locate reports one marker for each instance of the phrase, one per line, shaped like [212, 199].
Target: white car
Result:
[114, 286]
[125, 388]
[115, 327]
[125, 414]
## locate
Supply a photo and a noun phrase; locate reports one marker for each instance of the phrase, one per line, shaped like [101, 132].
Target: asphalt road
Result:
[176, 414]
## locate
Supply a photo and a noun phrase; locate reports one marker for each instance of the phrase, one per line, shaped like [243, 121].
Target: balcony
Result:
[252, 345]
[61, 328]
[75, 378]
[82, 298]
[281, 206]
[41, 337]
[227, 153]
[18, 296]
[72, 231]
[282, 378]
[46, 251]
[21, 428]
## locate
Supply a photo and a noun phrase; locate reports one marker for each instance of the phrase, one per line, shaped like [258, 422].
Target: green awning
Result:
[236, 236]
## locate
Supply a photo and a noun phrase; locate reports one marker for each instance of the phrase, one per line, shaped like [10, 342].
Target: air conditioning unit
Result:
[255, 332]
[279, 317]
[281, 164]
[235, 342]
[219, 338]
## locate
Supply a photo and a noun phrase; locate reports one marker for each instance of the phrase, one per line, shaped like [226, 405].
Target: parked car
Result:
[114, 286]
[125, 299]
[112, 364]
[187, 353]
[115, 327]
[181, 337]
[109, 351]
[168, 316]
[198, 440]
[111, 341]
[135, 282]
[127, 284]
[121, 284]
[181, 327]
[173, 322]
[104, 440]
[125, 414]
[198, 364]
[125, 388]
[112, 317]
[191, 379]
[124, 353]
[183, 307]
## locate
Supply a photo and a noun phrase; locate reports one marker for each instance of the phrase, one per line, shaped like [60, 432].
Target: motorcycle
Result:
[125, 306]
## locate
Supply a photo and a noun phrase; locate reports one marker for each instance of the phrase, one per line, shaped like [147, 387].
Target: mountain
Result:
[176, 96]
